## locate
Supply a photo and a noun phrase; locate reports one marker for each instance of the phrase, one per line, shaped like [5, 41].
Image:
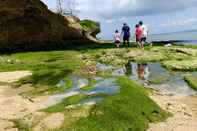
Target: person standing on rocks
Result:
[138, 35]
[117, 38]
[145, 33]
[126, 34]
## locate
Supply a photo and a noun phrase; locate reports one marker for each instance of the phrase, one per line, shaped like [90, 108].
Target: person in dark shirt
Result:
[126, 34]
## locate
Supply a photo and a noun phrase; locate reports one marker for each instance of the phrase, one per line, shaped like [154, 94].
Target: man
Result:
[145, 32]
[126, 34]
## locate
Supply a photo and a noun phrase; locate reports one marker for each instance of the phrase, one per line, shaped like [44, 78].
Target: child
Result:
[117, 38]
[138, 34]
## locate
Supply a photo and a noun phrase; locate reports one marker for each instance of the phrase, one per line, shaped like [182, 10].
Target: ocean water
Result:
[185, 37]
[189, 37]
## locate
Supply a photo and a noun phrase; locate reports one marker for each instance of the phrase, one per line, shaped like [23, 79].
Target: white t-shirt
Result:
[144, 31]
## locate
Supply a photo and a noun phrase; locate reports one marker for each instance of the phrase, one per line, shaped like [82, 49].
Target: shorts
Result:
[117, 42]
[126, 38]
[143, 39]
[138, 39]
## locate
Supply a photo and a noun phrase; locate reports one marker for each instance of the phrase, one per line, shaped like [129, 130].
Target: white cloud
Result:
[115, 20]
[110, 9]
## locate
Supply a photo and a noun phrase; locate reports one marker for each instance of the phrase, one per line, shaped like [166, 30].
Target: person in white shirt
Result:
[117, 38]
[145, 32]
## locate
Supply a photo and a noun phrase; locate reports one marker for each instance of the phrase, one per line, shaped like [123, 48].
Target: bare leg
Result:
[124, 42]
[142, 45]
[138, 44]
[118, 45]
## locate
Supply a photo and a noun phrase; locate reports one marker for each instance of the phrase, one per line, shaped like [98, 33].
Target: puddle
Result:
[106, 86]
[164, 80]
[83, 82]
[61, 83]
[54, 99]
[172, 82]
[119, 72]
[103, 67]
[103, 86]
[98, 78]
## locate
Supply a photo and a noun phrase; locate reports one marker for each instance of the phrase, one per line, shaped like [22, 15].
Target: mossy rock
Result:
[88, 24]
[191, 80]
[181, 65]
[131, 109]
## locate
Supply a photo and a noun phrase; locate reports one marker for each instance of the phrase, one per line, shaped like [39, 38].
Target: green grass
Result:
[129, 110]
[192, 81]
[189, 64]
[48, 67]
[69, 83]
[70, 101]
[88, 24]
[48, 90]
[89, 87]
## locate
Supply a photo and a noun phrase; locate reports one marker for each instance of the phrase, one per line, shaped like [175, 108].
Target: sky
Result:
[161, 16]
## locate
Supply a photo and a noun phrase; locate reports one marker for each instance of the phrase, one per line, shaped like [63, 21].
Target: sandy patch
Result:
[10, 77]
[183, 118]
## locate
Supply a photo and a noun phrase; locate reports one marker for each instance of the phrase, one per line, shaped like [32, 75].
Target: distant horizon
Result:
[181, 31]
[186, 35]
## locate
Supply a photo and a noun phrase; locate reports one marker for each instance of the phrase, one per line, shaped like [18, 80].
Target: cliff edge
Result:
[30, 25]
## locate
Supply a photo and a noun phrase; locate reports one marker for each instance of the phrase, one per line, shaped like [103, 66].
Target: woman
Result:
[138, 35]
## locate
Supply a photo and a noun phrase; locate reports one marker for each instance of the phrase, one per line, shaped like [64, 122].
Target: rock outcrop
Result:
[30, 25]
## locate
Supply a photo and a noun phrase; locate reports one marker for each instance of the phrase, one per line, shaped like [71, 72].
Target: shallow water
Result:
[102, 86]
[189, 37]
[172, 82]
[107, 86]
[102, 67]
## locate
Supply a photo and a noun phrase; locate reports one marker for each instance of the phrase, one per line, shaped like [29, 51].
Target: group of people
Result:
[141, 34]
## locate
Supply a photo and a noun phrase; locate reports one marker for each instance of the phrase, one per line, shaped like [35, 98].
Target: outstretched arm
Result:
[122, 31]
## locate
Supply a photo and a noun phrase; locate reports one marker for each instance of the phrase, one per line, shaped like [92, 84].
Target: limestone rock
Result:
[6, 125]
[51, 122]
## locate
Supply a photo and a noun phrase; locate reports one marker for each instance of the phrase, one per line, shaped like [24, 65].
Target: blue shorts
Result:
[126, 38]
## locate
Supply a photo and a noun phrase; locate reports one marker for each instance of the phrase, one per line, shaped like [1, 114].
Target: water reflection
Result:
[138, 71]
[143, 71]
[156, 76]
